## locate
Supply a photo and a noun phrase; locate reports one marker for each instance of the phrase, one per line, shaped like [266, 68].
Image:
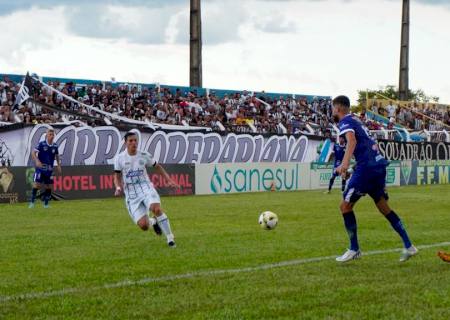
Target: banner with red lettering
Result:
[88, 182]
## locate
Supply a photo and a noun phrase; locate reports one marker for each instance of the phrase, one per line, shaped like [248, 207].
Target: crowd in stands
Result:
[416, 116]
[236, 112]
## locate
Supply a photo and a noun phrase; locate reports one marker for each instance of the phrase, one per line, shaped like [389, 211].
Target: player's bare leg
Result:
[143, 223]
[353, 251]
[163, 222]
[409, 250]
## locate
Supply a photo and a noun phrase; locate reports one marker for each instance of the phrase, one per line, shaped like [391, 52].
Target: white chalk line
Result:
[195, 274]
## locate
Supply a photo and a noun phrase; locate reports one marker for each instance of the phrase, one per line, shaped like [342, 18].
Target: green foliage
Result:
[356, 109]
[87, 244]
[391, 92]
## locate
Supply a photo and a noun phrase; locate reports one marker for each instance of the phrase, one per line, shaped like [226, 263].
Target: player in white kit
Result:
[130, 176]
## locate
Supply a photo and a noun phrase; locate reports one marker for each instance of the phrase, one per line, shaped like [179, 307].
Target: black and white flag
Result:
[25, 91]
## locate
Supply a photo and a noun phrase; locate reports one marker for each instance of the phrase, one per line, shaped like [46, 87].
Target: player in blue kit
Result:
[369, 177]
[44, 156]
[339, 151]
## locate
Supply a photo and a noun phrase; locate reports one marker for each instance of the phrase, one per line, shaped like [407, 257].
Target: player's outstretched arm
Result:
[162, 171]
[118, 183]
[351, 145]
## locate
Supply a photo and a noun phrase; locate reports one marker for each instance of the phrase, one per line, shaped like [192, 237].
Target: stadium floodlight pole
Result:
[403, 86]
[195, 76]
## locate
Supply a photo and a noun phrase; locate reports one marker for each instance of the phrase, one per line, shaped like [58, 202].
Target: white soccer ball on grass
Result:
[268, 220]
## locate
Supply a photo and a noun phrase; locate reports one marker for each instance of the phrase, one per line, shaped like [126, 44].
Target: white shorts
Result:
[139, 207]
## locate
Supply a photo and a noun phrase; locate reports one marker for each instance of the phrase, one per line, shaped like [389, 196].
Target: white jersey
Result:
[136, 183]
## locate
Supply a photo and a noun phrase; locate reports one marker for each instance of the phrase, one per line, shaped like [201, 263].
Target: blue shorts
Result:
[335, 174]
[368, 180]
[43, 177]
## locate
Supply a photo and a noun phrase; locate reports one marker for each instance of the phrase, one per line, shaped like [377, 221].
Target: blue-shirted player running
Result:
[44, 156]
[369, 177]
[339, 151]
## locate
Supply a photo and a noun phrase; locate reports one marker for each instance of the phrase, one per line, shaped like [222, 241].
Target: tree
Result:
[391, 92]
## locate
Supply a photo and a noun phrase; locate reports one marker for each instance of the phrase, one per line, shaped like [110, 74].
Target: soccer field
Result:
[86, 260]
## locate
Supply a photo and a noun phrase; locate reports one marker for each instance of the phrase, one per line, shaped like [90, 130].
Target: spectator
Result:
[391, 108]
[236, 112]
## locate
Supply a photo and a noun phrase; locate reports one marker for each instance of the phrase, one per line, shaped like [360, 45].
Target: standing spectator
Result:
[391, 108]
[401, 116]
[418, 123]
[375, 107]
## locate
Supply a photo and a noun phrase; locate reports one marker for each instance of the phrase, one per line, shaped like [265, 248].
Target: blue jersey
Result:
[46, 155]
[366, 151]
[339, 152]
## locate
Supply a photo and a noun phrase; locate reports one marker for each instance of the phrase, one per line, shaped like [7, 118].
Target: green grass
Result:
[87, 244]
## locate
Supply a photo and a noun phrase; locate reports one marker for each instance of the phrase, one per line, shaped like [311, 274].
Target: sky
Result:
[317, 47]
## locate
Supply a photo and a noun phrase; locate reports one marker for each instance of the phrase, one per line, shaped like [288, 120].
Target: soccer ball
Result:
[268, 220]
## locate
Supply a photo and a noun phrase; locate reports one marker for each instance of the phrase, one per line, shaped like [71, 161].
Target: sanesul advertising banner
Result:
[99, 146]
[88, 182]
[223, 178]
